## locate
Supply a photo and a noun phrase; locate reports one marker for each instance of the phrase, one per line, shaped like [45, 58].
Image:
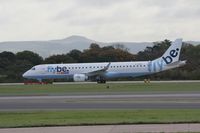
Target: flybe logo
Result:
[58, 70]
[172, 54]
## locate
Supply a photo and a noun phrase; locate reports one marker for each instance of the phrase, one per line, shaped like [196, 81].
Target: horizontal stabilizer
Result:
[177, 63]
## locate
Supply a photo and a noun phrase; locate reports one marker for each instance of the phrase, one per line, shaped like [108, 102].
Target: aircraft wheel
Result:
[101, 81]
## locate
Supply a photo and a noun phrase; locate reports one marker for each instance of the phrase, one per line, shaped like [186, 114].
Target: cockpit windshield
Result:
[33, 68]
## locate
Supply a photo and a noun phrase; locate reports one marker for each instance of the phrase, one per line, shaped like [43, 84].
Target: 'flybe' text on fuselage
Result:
[58, 70]
[154, 66]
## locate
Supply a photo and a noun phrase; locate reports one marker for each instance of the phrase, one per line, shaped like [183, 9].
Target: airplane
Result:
[101, 72]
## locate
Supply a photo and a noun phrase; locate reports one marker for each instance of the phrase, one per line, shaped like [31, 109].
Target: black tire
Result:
[101, 81]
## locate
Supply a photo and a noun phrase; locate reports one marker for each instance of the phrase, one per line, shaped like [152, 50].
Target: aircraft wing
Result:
[99, 72]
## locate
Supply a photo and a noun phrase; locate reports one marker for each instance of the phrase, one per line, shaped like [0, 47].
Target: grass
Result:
[96, 117]
[97, 88]
[92, 117]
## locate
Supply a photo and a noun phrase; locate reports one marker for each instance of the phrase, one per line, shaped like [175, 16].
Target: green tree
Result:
[154, 52]
[54, 59]
[94, 46]
[34, 58]
[105, 54]
[120, 46]
[75, 54]
[6, 59]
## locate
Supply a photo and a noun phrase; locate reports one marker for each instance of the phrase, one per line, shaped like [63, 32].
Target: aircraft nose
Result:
[25, 75]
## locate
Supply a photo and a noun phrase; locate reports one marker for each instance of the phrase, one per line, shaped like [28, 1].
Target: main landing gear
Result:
[147, 80]
[101, 80]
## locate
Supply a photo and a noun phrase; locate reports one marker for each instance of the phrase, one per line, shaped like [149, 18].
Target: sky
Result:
[100, 20]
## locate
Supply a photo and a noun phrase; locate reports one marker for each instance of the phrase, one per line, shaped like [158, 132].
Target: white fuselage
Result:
[115, 70]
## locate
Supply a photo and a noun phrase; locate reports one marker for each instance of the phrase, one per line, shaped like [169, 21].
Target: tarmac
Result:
[163, 100]
[114, 82]
[190, 100]
[150, 128]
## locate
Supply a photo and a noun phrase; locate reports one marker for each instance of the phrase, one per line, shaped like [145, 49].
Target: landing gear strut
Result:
[147, 80]
[101, 80]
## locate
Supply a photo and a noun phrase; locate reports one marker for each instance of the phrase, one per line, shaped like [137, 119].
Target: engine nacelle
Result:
[80, 77]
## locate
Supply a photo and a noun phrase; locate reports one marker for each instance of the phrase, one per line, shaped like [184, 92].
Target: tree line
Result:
[13, 65]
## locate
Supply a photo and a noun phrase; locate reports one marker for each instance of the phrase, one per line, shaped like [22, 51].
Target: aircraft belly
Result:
[116, 74]
[50, 76]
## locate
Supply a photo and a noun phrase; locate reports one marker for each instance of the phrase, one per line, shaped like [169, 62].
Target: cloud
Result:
[102, 20]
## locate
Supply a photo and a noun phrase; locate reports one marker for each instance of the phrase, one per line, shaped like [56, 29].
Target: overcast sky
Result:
[101, 20]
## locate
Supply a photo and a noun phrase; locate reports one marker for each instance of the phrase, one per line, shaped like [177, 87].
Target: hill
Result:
[51, 47]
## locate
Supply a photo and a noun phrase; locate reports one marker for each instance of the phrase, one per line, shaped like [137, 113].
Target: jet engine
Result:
[80, 77]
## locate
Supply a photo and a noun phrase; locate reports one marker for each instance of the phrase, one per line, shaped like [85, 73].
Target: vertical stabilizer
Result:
[173, 52]
[170, 59]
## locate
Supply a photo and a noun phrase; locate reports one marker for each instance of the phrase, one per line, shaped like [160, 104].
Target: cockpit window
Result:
[33, 68]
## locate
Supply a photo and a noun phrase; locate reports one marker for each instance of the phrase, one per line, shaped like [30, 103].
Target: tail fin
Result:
[173, 52]
[170, 59]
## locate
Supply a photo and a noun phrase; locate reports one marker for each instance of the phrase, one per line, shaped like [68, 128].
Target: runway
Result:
[150, 128]
[113, 82]
[112, 101]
